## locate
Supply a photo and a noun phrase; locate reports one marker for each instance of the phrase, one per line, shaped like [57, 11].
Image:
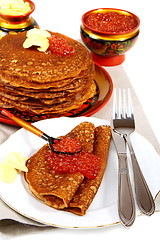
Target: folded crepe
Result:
[89, 187]
[57, 190]
[69, 191]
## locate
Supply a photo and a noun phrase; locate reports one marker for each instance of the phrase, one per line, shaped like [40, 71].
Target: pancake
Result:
[34, 66]
[57, 190]
[76, 86]
[33, 106]
[70, 191]
[89, 187]
[38, 83]
[17, 81]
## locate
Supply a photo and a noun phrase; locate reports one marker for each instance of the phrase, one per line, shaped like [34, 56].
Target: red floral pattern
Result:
[107, 48]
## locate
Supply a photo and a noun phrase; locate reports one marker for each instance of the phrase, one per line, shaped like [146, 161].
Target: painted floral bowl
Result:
[109, 33]
[17, 23]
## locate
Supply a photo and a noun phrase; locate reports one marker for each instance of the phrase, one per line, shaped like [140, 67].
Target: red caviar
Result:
[86, 163]
[60, 46]
[67, 144]
[111, 22]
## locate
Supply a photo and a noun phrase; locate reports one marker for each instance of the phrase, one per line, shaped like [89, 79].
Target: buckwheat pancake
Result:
[44, 82]
[70, 191]
[34, 66]
[89, 187]
[57, 190]
[75, 87]
[35, 106]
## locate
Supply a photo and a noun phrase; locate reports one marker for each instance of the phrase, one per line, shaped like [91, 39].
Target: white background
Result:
[142, 66]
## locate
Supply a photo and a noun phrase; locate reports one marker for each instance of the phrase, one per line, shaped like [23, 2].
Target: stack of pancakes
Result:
[43, 82]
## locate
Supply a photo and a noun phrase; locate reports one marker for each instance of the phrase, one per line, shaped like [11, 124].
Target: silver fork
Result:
[124, 124]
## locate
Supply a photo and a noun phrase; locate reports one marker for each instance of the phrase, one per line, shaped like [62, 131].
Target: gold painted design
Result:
[12, 25]
[106, 37]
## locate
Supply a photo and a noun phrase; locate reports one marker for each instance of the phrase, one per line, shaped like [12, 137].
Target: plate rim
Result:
[62, 226]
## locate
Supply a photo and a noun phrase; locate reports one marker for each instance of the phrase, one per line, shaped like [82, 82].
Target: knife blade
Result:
[126, 205]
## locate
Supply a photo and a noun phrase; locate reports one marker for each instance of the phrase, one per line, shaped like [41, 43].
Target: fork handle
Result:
[144, 197]
[126, 205]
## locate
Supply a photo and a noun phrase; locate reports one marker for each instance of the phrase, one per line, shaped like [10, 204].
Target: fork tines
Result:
[122, 104]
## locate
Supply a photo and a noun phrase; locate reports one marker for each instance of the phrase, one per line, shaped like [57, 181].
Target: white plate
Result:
[103, 210]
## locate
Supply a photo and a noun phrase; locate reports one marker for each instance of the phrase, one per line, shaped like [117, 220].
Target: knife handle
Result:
[126, 205]
[144, 197]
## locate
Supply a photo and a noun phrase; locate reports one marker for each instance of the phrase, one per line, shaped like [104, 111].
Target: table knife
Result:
[126, 204]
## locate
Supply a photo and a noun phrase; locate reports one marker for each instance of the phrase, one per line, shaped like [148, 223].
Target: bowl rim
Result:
[112, 10]
[23, 15]
[109, 37]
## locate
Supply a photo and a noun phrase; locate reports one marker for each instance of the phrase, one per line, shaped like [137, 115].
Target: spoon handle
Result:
[23, 124]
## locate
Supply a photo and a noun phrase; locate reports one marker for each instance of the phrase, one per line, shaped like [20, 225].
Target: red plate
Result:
[93, 105]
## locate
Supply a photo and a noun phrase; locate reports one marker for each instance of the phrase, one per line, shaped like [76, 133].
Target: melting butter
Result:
[10, 166]
[37, 37]
[7, 174]
[14, 7]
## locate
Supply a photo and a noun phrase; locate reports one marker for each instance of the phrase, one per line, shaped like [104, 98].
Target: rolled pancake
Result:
[57, 190]
[89, 187]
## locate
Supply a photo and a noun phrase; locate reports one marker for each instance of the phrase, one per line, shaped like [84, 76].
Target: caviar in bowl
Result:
[109, 33]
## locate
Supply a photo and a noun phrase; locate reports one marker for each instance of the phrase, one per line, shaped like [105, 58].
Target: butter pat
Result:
[11, 164]
[16, 160]
[7, 173]
[14, 7]
[37, 37]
